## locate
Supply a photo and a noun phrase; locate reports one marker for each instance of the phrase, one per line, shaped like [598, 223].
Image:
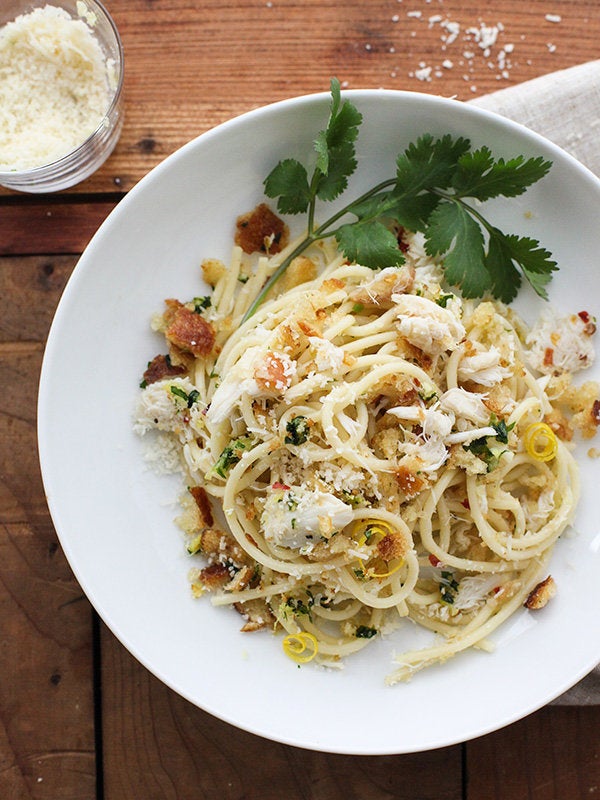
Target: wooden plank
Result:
[554, 753]
[30, 289]
[180, 751]
[47, 738]
[219, 58]
[40, 227]
[22, 497]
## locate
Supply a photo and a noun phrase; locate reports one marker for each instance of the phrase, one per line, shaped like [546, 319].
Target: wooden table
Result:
[79, 717]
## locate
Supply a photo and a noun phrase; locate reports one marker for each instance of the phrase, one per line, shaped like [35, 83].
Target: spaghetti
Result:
[369, 438]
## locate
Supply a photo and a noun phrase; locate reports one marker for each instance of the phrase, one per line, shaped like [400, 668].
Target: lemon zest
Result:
[378, 528]
[540, 441]
[296, 645]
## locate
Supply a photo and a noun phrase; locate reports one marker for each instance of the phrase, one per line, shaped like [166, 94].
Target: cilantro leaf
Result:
[480, 176]
[288, 182]
[336, 161]
[334, 145]
[538, 282]
[427, 193]
[453, 231]
[429, 163]
[535, 261]
[505, 277]
[370, 244]
[341, 164]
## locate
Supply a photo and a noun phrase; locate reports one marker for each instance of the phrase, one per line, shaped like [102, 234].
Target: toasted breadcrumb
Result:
[203, 505]
[257, 615]
[213, 270]
[261, 231]
[190, 332]
[541, 594]
[301, 270]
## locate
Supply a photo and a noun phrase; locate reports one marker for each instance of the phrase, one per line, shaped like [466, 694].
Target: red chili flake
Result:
[584, 316]
[434, 560]
[278, 485]
[496, 589]
[548, 356]
[596, 412]
[466, 504]
[402, 244]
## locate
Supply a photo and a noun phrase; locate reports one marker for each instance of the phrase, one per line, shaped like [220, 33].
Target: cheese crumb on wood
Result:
[54, 87]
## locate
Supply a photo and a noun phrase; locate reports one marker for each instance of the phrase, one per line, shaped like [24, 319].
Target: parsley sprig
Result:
[434, 178]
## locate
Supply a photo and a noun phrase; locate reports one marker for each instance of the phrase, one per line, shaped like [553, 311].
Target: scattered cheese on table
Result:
[54, 87]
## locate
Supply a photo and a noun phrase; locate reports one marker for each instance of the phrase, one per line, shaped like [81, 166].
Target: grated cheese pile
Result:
[54, 87]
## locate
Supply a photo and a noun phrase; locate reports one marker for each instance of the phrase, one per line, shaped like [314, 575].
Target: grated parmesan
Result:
[54, 87]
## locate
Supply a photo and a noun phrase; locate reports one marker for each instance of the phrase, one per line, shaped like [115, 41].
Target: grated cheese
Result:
[54, 87]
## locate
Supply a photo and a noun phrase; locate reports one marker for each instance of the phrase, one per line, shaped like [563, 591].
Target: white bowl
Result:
[114, 517]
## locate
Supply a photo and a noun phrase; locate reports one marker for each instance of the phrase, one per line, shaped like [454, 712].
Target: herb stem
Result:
[313, 235]
[300, 248]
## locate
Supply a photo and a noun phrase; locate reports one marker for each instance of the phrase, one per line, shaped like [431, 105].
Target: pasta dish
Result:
[382, 450]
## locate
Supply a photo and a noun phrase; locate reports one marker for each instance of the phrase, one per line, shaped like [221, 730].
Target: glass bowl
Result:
[89, 154]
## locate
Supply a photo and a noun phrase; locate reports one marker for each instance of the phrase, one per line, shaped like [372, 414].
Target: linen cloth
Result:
[564, 107]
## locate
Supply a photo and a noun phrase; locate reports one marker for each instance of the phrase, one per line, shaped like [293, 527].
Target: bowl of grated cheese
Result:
[61, 68]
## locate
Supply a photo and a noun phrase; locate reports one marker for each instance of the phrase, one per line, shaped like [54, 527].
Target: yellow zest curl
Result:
[301, 647]
[540, 441]
[372, 531]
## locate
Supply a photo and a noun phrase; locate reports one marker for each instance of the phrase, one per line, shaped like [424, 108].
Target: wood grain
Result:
[47, 738]
[52, 228]
[550, 755]
[47, 742]
[190, 754]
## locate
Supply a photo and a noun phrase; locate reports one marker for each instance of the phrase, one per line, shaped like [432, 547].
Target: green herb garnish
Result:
[448, 587]
[200, 303]
[434, 177]
[189, 399]
[364, 632]
[231, 455]
[484, 447]
[502, 429]
[297, 429]
[443, 300]
[353, 499]
[296, 607]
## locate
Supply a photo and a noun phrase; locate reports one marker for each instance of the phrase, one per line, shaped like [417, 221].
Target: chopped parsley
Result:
[502, 429]
[484, 447]
[364, 632]
[201, 303]
[296, 606]
[189, 399]
[442, 300]
[434, 178]
[231, 455]
[298, 430]
[448, 587]
[352, 498]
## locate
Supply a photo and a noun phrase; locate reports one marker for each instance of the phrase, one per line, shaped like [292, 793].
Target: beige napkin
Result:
[565, 108]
